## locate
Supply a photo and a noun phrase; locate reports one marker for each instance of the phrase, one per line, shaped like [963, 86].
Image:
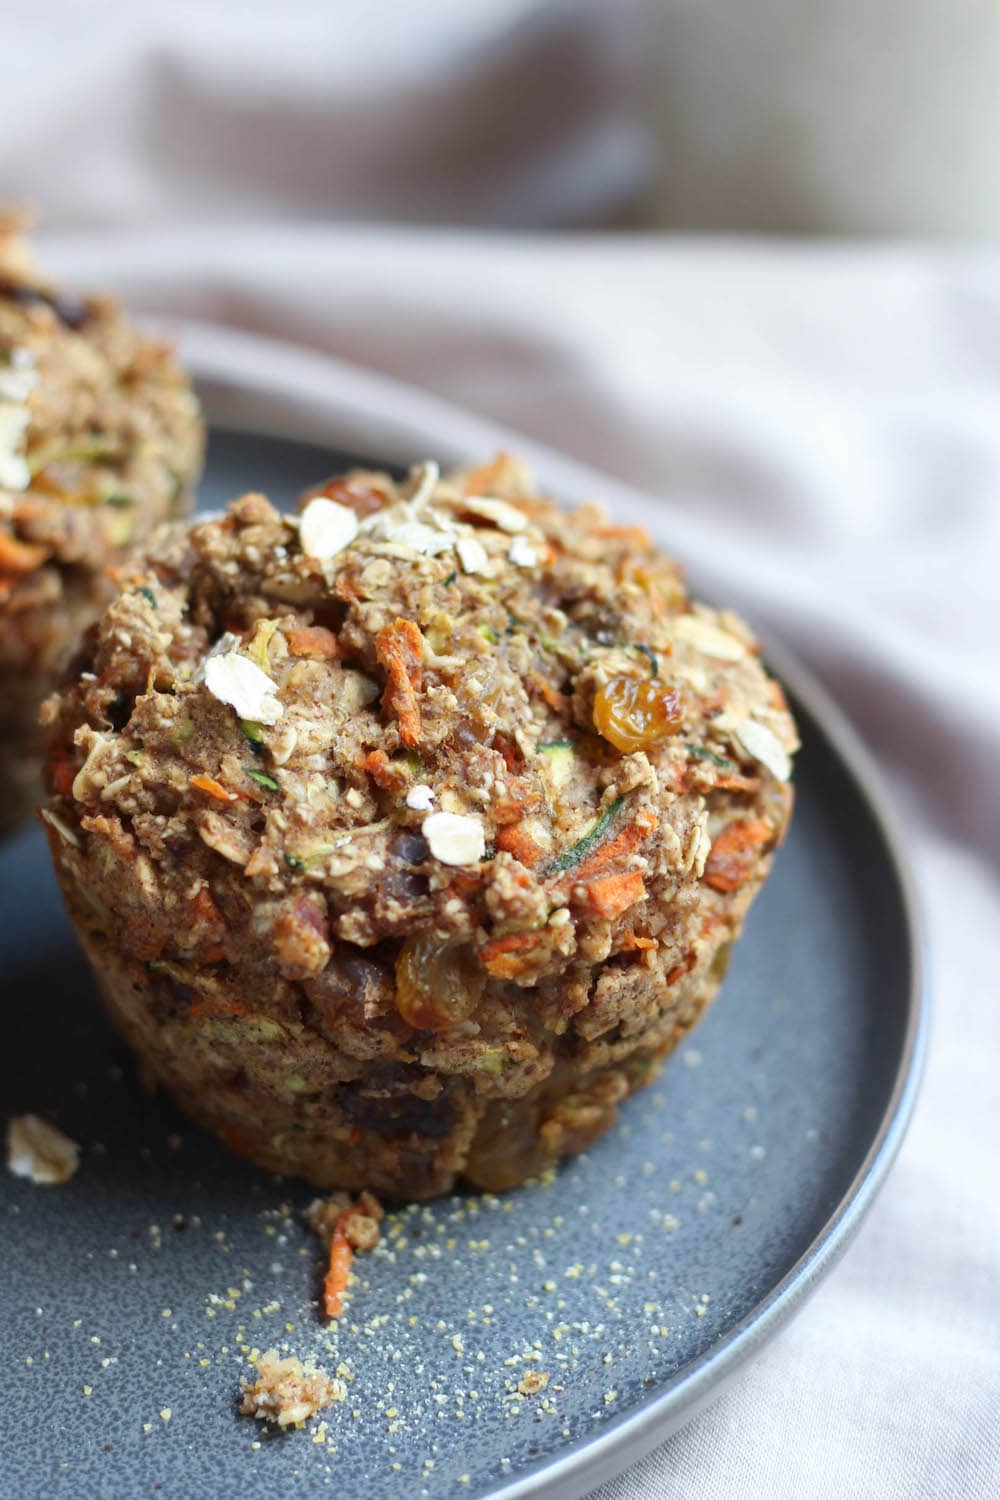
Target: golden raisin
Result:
[438, 984]
[636, 713]
[505, 1152]
[353, 493]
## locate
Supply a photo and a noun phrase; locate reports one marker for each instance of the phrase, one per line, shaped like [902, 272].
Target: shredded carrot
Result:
[142, 939]
[375, 763]
[510, 750]
[552, 696]
[62, 774]
[387, 774]
[346, 587]
[517, 840]
[213, 788]
[204, 909]
[733, 856]
[623, 843]
[610, 895]
[524, 794]
[632, 942]
[679, 970]
[736, 783]
[206, 915]
[216, 1006]
[19, 557]
[636, 536]
[630, 570]
[504, 956]
[488, 478]
[314, 641]
[335, 1280]
[712, 703]
[235, 1141]
[399, 649]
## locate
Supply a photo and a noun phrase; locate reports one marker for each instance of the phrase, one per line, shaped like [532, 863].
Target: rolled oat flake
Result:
[326, 528]
[763, 744]
[454, 839]
[39, 1152]
[236, 680]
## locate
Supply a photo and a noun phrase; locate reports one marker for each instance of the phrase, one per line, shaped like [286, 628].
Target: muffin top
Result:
[442, 709]
[99, 429]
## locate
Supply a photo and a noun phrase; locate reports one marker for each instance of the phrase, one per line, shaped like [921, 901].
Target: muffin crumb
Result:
[287, 1392]
[39, 1152]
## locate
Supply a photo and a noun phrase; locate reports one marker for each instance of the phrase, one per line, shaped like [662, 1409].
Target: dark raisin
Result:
[395, 1113]
[73, 314]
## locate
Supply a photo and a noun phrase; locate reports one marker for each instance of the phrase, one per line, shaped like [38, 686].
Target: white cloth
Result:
[131, 112]
[823, 431]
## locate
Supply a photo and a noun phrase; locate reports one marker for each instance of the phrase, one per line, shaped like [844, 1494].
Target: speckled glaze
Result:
[637, 1278]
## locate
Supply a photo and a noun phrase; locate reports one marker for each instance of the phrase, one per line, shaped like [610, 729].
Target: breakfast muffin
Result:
[407, 835]
[100, 439]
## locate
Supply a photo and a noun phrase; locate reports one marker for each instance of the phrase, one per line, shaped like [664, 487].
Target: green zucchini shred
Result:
[262, 779]
[578, 851]
[650, 654]
[700, 753]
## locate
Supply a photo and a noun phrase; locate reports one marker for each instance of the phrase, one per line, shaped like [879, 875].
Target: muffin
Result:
[100, 440]
[406, 836]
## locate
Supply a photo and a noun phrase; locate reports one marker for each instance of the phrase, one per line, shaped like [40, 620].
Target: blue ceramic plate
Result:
[636, 1280]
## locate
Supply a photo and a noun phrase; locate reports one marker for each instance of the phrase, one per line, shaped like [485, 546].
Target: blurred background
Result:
[861, 117]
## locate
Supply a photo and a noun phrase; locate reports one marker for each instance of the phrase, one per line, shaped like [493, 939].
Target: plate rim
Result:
[663, 1414]
[391, 415]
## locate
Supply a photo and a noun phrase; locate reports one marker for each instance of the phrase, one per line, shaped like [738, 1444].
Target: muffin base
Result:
[278, 1093]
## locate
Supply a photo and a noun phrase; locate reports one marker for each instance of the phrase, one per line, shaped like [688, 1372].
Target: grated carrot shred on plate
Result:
[339, 1269]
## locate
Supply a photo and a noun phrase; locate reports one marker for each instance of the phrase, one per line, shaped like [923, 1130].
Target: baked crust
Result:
[340, 986]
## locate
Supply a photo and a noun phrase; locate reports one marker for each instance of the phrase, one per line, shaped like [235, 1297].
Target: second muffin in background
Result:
[100, 440]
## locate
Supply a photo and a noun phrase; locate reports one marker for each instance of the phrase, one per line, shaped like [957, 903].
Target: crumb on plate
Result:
[286, 1391]
[39, 1152]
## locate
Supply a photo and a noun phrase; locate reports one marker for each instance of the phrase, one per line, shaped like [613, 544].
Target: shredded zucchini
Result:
[650, 654]
[260, 641]
[700, 753]
[579, 851]
[262, 779]
[254, 734]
